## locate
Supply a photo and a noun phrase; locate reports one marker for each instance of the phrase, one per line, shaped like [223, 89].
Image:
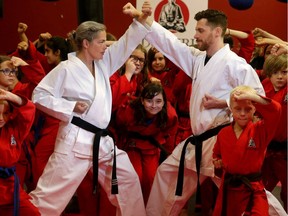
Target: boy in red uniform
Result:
[275, 163]
[240, 151]
[16, 118]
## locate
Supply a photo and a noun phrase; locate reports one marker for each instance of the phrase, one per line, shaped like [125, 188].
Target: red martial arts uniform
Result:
[124, 90]
[182, 93]
[45, 127]
[33, 73]
[167, 78]
[243, 158]
[32, 54]
[275, 163]
[11, 139]
[247, 46]
[136, 139]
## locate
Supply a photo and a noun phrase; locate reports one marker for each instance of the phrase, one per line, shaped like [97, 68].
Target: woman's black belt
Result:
[98, 134]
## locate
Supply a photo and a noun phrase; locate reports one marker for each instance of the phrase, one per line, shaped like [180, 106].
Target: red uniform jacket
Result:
[281, 96]
[182, 92]
[246, 154]
[11, 139]
[33, 74]
[32, 54]
[124, 91]
[125, 122]
[167, 78]
[247, 46]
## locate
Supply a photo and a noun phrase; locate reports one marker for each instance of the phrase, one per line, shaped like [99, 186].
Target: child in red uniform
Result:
[275, 163]
[29, 72]
[182, 92]
[240, 151]
[144, 127]
[16, 118]
[164, 70]
[128, 82]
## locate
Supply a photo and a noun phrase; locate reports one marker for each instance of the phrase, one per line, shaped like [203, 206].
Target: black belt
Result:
[183, 114]
[236, 180]
[6, 173]
[277, 146]
[151, 139]
[28, 157]
[197, 141]
[163, 153]
[98, 133]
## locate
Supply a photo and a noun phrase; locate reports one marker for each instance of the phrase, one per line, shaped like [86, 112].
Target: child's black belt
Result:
[235, 180]
[98, 133]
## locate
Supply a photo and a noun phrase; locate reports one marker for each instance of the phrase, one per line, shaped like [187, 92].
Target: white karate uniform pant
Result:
[64, 172]
[162, 200]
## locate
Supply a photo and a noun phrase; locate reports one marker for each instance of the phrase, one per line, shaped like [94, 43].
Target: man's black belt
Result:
[98, 133]
[197, 141]
[6, 173]
[235, 180]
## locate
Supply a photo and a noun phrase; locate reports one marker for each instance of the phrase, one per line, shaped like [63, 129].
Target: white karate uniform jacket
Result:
[71, 81]
[234, 71]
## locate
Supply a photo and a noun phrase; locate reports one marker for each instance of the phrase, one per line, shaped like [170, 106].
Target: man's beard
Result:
[203, 46]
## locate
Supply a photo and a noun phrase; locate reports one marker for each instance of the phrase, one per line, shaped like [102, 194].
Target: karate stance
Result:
[240, 151]
[215, 70]
[77, 92]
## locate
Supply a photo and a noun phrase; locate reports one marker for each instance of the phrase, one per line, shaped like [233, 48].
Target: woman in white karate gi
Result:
[78, 90]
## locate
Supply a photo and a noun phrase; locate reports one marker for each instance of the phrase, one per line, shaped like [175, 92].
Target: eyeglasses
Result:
[136, 58]
[8, 72]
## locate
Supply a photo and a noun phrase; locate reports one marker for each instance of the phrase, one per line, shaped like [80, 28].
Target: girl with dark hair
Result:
[57, 49]
[147, 127]
[164, 70]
